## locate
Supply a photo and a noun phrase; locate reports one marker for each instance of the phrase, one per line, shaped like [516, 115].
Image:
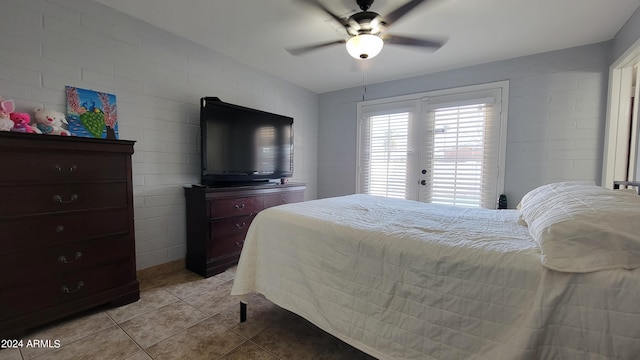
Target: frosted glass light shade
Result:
[364, 46]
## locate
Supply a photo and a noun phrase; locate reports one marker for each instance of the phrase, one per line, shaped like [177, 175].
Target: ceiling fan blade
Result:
[403, 40]
[320, 6]
[401, 11]
[304, 49]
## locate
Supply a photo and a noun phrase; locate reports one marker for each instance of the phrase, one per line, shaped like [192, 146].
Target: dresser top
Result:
[68, 143]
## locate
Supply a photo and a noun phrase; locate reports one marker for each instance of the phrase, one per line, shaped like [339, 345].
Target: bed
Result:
[557, 278]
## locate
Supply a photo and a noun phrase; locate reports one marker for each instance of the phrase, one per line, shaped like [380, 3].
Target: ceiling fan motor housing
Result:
[365, 22]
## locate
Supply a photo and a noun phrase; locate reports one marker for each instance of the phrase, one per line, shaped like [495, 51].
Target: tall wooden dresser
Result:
[66, 228]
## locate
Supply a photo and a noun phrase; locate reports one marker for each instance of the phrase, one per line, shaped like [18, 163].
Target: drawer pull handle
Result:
[65, 288]
[71, 168]
[63, 259]
[239, 207]
[59, 228]
[241, 226]
[239, 243]
[58, 199]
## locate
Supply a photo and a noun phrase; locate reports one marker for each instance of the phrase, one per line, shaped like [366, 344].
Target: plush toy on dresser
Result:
[21, 123]
[50, 122]
[6, 108]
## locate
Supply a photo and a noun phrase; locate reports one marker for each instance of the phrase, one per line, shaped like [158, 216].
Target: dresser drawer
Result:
[54, 261]
[287, 197]
[227, 235]
[45, 230]
[221, 208]
[26, 200]
[46, 293]
[62, 166]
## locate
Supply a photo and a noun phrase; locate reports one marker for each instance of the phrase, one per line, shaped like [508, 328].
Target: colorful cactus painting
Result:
[91, 113]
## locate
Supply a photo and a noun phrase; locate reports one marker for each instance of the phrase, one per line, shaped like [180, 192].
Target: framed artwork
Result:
[91, 113]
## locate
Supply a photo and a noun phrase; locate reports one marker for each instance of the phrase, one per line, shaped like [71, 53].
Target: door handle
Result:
[423, 182]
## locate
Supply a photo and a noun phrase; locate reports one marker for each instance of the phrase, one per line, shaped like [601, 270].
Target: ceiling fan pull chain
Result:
[364, 80]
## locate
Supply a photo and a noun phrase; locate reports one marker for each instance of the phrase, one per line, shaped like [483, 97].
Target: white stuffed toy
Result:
[6, 108]
[50, 122]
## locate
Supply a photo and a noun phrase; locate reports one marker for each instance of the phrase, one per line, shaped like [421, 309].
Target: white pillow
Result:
[581, 227]
[541, 193]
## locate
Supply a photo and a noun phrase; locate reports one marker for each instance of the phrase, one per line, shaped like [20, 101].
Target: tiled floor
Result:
[181, 315]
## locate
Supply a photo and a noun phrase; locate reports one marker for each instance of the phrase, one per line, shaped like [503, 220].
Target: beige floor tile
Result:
[10, 354]
[157, 325]
[205, 340]
[109, 344]
[227, 275]
[151, 299]
[214, 301]
[68, 331]
[161, 279]
[248, 350]
[293, 338]
[190, 288]
[141, 355]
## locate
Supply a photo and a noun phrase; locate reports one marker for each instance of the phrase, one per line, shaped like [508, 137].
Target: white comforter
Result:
[407, 280]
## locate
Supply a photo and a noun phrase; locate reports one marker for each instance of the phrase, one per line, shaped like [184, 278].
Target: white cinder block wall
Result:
[557, 103]
[158, 80]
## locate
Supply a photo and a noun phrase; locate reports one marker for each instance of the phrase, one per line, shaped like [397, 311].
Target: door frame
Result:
[618, 162]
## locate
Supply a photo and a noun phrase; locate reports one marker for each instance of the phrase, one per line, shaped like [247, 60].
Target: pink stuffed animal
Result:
[21, 122]
[50, 122]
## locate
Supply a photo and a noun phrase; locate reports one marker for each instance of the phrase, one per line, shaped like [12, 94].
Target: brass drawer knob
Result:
[63, 259]
[65, 289]
[59, 168]
[239, 206]
[58, 199]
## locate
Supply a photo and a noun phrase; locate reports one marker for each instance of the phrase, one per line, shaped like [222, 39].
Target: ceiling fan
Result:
[366, 31]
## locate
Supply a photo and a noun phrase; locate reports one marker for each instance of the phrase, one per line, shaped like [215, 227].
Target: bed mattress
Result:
[406, 280]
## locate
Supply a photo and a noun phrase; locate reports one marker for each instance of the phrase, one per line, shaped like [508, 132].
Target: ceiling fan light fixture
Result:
[364, 46]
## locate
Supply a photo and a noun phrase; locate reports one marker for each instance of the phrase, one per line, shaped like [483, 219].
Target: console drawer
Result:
[227, 235]
[283, 198]
[221, 208]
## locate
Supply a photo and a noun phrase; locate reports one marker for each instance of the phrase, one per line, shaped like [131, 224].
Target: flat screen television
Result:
[240, 145]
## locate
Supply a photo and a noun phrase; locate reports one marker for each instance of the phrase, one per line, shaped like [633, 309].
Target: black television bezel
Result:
[235, 179]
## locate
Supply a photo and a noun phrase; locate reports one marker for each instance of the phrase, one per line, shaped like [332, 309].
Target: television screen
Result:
[240, 144]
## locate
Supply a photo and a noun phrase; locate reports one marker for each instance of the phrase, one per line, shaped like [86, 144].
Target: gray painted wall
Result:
[158, 79]
[557, 104]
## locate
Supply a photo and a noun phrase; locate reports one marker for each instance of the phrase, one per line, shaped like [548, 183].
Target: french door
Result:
[441, 148]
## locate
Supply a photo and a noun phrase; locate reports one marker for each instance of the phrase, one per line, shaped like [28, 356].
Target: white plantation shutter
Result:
[465, 154]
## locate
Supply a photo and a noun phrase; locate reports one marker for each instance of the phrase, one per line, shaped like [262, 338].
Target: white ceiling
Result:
[256, 33]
